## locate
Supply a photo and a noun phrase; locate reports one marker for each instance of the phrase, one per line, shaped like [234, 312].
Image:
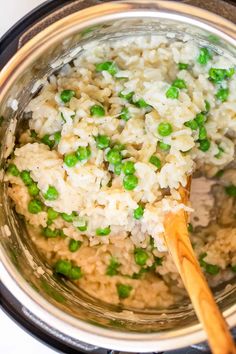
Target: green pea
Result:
[51, 194]
[138, 212]
[218, 75]
[83, 153]
[127, 96]
[75, 273]
[164, 129]
[123, 290]
[103, 231]
[190, 227]
[154, 160]
[130, 182]
[202, 133]
[179, 83]
[49, 233]
[112, 268]
[192, 124]
[204, 56]
[163, 146]
[204, 145]
[109, 66]
[222, 94]
[69, 217]
[63, 267]
[128, 168]
[83, 228]
[52, 214]
[74, 245]
[66, 95]
[200, 119]
[13, 170]
[118, 169]
[97, 110]
[207, 107]
[231, 190]
[125, 114]
[220, 153]
[35, 206]
[70, 160]
[33, 134]
[26, 178]
[141, 103]
[33, 189]
[102, 142]
[114, 157]
[172, 92]
[140, 256]
[47, 140]
[57, 137]
[183, 66]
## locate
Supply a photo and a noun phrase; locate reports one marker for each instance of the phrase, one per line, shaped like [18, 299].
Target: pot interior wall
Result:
[19, 248]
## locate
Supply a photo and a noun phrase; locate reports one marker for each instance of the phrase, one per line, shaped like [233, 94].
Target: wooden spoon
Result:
[179, 246]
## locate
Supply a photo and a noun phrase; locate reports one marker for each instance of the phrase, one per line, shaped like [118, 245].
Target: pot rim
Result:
[47, 312]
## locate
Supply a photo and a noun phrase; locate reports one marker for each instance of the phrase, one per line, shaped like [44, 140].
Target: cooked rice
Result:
[92, 190]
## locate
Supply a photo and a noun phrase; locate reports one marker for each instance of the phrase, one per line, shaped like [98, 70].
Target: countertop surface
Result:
[15, 340]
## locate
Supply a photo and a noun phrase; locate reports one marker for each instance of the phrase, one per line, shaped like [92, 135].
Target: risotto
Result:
[110, 138]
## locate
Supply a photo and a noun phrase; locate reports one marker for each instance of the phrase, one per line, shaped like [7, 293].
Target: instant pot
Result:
[52, 35]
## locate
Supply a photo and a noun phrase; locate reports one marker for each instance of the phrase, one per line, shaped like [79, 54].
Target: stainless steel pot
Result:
[69, 312]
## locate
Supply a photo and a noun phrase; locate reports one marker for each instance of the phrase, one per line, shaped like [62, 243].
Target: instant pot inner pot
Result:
[18, 247]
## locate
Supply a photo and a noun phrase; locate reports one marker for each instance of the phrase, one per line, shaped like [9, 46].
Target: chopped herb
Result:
[57, 137]
[141, 103]
[83, 228]
[183, 66]
[200, 119]
[207, 107]
[33, 134]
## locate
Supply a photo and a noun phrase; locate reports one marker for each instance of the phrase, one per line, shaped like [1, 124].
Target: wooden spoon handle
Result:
[179, 245]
